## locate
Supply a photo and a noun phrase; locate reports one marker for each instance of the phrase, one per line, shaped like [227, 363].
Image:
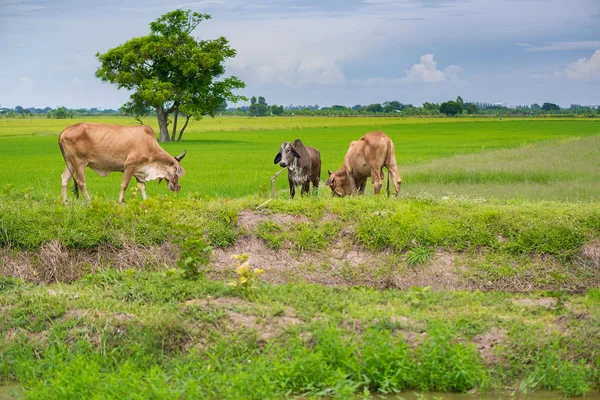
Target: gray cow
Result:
[303, 164]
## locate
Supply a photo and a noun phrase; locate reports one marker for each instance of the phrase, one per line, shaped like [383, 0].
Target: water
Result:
[538, 395]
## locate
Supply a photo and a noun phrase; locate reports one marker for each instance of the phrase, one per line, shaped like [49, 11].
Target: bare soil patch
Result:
[249, 220]
[545, 302]
[488, 343]
[241, 314]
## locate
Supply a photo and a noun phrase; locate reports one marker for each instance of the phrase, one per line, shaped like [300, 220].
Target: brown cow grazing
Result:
[303, 164]
[105, 148]
[365, 158]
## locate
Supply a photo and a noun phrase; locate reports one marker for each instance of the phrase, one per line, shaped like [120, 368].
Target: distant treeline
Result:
[260, 108]
[58, 112]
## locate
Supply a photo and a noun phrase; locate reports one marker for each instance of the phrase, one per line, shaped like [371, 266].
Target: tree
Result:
[258, 108]
[550, 107]
[471, 108]
[276, 110]
[172, 72]
[375, 108]
[450, 108]
[460, 102]
[391, 106]
[432, 107]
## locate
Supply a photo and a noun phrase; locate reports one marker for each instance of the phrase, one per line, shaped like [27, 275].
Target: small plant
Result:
[418, 255]
[195, 255]
[248, 278]
[417, 295]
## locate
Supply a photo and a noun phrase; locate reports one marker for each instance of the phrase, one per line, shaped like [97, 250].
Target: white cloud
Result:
[558, 46]
[426, 72]
[584, 69]
[25, 82]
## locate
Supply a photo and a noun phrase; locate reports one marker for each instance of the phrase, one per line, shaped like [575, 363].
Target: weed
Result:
[194, 257]
[248, 279]
[418, 255]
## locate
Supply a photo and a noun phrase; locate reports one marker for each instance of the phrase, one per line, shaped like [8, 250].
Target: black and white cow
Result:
[303, 164]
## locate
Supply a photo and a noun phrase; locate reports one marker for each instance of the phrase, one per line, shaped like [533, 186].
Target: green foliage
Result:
[258, 108]
[60, 113]
[451, 108]
[550, 107]
[444, 365]
[418, 255]
[194, 257]
[170, 71]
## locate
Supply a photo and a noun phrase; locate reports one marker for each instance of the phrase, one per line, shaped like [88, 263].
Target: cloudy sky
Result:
[321, 51]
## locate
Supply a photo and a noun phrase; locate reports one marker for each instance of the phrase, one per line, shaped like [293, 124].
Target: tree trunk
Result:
[187, 119]
[162, 123]
[175, 124]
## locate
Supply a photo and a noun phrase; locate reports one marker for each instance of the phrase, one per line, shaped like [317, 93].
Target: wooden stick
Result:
[273, 182]
[263, 204]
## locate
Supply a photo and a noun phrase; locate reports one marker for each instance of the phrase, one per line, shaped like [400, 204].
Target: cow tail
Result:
[388, 184]
[75, 187]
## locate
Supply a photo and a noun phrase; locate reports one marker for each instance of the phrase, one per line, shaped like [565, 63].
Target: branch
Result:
[187, 119]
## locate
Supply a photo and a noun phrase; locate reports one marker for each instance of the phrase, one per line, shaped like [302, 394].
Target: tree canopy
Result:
[172, 72]
[450, 108]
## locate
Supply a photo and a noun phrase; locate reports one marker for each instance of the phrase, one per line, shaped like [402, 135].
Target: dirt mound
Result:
[242, 314]
[56, 263]
[249, 220]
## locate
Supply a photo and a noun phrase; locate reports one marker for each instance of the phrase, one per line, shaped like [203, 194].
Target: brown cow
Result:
[365, 158]
[106, 148]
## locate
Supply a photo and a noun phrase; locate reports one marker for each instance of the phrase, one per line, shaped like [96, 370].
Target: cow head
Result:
[286, 155]
[173, 172]
[337, 182]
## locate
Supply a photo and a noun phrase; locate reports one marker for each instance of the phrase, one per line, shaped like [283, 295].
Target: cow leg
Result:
[361, 188]
[315, 183]
[305, 188]
[127, 174]
[395, 177]
[142, 186]
[292, 190]
[377, 180]
[79, 177]
[66, 177]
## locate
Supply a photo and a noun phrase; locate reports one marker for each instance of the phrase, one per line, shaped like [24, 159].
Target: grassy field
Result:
[234, 156]
[483, 276]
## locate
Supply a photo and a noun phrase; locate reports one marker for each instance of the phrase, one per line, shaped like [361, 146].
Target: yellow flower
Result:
[242, 269]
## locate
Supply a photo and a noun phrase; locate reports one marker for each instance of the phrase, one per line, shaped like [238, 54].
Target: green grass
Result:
[512, 203]
[233, 157]
[151, 335]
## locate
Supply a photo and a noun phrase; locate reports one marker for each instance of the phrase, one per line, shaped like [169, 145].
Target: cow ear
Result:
[180, 172]
[294, 152]
[277, 158]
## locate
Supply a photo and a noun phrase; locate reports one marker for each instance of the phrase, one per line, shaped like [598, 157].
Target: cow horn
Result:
[180, 157]
[329, 172]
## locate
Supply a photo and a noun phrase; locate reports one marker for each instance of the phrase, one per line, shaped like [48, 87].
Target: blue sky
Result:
[321, 52]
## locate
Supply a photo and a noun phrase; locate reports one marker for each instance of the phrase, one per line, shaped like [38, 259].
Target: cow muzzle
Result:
[282, 164]
[175, 187]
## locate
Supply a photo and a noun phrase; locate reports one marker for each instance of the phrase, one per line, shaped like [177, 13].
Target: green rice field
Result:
[233, 157]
